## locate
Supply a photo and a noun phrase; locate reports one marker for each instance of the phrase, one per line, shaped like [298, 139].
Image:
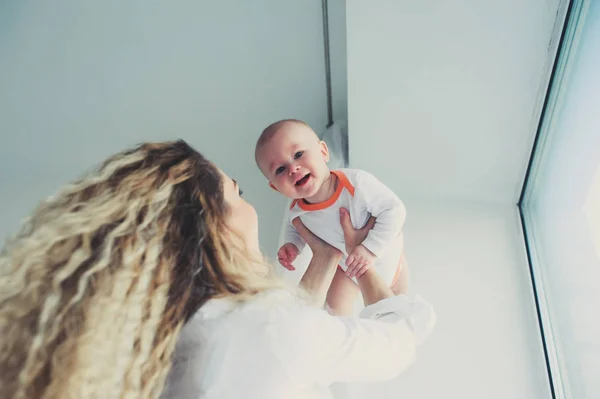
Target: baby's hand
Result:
[359, 261]
[287, 254]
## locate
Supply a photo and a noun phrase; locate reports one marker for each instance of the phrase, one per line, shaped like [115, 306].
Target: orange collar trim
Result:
[343, 182]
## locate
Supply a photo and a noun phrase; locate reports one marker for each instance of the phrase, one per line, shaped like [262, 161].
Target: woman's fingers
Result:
[305, 233]
[352, 236]
[346, 222]
[348, 230]
[317, 245]
[370, 224]
[350, 260]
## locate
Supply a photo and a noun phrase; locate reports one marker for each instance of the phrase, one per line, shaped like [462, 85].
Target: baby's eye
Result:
[298, 154]
[279, 170]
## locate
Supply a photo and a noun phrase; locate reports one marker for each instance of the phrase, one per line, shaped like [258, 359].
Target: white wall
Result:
[81, 80]
[564, 210]
[443, 102]
[444, 96]
[468, 260]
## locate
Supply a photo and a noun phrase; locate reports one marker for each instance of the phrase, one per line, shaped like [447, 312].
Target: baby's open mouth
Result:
[303, 181]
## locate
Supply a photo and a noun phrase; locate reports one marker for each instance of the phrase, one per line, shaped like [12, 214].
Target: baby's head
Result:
[291, 156]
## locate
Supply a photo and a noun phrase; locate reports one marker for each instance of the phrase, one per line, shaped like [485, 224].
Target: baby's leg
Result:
[342, 294]
[400, 286]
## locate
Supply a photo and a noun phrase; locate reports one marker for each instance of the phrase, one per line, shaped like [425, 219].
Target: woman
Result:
[101, 279]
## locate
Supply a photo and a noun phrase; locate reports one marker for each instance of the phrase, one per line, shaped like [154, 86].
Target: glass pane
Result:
[563, 214]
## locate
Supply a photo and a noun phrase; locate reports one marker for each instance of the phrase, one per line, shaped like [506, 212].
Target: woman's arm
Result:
[321, 349]
[375, 347]
[319, 274]
[372, 286]
[321, 269]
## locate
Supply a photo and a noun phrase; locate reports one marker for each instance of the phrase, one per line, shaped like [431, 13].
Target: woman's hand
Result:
[317, 245]
[319, 274]
[353, 238]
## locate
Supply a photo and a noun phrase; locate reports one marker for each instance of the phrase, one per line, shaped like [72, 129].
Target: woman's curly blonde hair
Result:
[97, 284]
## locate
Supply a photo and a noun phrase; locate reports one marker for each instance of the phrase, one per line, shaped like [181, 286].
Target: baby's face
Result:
[295, 161]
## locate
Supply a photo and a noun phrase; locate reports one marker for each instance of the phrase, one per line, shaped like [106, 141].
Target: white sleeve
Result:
[292, 236]
[325, 349]
[385, 205]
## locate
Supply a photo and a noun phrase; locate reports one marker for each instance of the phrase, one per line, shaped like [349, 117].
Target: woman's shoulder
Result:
[273, 304]
[277, 320]
[282, 308]
[283, 316]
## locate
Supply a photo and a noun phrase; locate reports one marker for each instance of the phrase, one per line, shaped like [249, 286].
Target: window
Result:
[561, 210]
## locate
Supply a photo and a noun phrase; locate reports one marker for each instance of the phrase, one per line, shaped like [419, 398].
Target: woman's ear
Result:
[325, 151]
[273, 187]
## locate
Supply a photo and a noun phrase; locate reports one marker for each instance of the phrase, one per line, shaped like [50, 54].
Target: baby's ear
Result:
[273, 187]
[324, 150]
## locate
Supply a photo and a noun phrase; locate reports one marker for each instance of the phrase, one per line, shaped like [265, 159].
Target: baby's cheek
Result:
[288, 192]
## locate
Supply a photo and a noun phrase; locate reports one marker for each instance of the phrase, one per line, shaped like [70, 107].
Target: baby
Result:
[290, 154]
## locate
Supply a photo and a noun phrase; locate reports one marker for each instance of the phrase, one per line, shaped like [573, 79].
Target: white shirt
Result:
[363, 195]
[276, 346]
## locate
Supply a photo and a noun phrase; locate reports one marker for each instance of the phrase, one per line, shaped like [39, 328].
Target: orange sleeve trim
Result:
[343, 182]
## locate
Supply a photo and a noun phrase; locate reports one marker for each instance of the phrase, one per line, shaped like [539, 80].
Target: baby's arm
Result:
[386, 207]
[294, 244]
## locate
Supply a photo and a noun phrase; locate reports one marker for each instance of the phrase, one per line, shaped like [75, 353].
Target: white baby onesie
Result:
[363, 195]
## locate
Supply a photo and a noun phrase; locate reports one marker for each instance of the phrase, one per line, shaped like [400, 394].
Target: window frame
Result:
[559, 81]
